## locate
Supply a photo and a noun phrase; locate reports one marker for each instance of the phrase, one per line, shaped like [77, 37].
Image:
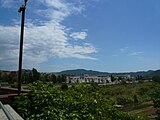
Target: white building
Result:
[89, 79]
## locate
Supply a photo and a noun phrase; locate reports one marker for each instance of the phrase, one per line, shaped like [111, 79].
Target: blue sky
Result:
[104, 35]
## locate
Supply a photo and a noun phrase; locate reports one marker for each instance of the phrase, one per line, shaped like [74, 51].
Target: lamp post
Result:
[21, 10]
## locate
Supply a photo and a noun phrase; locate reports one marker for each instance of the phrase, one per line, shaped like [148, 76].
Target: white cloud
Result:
[124, 49]
[78, 35]
[50, 39]
[6, 3]
[121, 49]
[58, 10]
[128, 51]
[11, 4]
[136, 53]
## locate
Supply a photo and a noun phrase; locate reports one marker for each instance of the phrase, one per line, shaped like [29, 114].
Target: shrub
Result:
[64, 86]
[46, 102]
[124, 100]
[156, 100]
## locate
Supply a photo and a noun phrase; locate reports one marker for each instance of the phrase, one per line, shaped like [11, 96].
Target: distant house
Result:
[125, 77]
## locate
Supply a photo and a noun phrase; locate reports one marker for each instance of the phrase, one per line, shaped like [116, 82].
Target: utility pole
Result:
[21, 10]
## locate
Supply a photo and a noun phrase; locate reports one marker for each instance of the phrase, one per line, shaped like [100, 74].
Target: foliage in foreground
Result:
[156, 101]
[81, 102]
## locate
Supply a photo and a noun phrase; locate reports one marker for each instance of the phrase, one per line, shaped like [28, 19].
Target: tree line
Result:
[30, 76]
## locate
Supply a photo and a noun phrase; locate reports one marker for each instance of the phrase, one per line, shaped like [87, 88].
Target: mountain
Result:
[149, 73]
[82, 72]
[155, 73]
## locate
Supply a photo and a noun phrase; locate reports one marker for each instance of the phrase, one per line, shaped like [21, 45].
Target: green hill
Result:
[82, 72]
[149, 73]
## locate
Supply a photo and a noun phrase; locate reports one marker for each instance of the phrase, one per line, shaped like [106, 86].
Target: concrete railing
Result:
[8, 115]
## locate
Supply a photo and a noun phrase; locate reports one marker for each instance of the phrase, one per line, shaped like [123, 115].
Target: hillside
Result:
[149, 73]
[82, 72]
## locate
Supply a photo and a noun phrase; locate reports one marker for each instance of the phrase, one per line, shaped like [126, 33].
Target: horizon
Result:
[86, 70]
[104, 71]
[111, 36]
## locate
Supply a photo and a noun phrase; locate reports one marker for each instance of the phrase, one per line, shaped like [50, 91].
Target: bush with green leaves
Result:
[81, 102]
[64, 86]
[125, 100]
[156, 100]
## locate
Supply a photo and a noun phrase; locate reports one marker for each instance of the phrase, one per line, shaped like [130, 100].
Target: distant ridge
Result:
[149, 73]
[82, 72]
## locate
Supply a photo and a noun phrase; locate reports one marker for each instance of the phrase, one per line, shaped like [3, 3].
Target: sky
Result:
[102, 35]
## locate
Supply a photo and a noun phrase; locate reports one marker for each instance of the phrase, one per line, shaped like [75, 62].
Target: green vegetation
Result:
[53, 99]
[10, 78]
[156, 79]
[30, 76]
[156, 101]
[79, 102]
[139, 99]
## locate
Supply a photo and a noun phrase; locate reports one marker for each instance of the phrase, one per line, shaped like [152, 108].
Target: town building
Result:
[89, 79]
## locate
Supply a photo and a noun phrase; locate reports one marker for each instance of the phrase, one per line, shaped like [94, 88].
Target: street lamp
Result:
[21, 10]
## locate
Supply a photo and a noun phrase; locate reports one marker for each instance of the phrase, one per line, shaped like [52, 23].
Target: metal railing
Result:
[8, 115]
